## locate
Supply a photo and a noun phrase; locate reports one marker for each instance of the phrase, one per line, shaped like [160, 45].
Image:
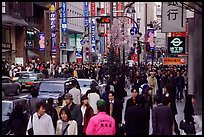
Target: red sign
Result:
[134, 57]
[93, 6]
[174, 61]
[180, 34]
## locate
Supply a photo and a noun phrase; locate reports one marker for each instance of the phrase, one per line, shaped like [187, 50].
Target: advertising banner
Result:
[64, 17]
[53, 27]
[151, 38]
[41, 39]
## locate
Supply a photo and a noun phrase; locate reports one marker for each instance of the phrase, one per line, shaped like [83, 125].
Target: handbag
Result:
[187, 127]
[65, 129]
[30, 131]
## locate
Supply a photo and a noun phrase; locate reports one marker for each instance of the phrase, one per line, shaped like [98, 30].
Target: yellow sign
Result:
[52, 8]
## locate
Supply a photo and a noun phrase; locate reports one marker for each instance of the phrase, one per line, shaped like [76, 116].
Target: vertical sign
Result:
[102, 40]
[93, 41]
[53, 27]
[41, 38]
[64, 17]
[173, 17]
[86, 14]
[150, 38]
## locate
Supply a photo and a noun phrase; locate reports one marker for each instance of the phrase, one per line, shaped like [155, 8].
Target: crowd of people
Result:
[154, 89]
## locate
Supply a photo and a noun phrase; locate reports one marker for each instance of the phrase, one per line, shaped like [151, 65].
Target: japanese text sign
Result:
[176, 45]
[173, 17]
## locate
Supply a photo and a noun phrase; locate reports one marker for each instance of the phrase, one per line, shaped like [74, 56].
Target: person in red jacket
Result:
[87, 112]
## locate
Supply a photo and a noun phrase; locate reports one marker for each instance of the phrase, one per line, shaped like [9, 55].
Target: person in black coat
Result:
[116, 110]
[189, 112]
[18, 121]
[137, 82]
[131, 101]
[180, 83]
[162, 116]
[137, 117]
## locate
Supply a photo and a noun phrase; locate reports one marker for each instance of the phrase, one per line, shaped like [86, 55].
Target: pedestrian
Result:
[105, 94]
[137, 81]
[189, 113]
[114, 109]
[131, 101]
[65, 125]
[18, 121]
[34, 100]
[40, 121]
[101, 124]
[76, 93]
[162, 117]
[87, 112]
[152, 81]
[93, 96]
[50, 110]
[137, 118]
[171, 93]
[180, 83]
[75, 111]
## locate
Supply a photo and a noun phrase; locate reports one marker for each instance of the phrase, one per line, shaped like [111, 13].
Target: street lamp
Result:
[130, 9]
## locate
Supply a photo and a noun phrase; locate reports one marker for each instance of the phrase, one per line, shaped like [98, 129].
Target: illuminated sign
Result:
[150, 38]
[86, 14]
[93, 40]
[176, 45]
[41, 43]
[64, 17]
[93, 6]
[53, 27]
[174, 61]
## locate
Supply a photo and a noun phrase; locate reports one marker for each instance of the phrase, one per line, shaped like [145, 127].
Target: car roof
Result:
[55, 81]
[81, 79]
[12, 99]
[5, 77]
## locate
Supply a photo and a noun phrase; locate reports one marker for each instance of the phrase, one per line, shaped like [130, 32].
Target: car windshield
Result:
[28, 76]
[6, 108]
[47, 87]
[19, 74]
[83, 83]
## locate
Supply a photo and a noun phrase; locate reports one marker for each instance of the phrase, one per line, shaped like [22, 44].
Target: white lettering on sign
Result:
[176, 42]
[176, 49]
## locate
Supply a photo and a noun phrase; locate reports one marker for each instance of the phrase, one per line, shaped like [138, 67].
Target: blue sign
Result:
[102, 39]
[138, 23]
[82, 42]
[93, 40]
[133, 31]
[86, 14]
[41, 43]
[64, 17]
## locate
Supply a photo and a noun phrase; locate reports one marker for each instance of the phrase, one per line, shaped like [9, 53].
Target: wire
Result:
[187, 7]
[198, 5]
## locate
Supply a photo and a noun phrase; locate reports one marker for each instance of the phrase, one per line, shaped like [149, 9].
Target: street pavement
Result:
[179, 116]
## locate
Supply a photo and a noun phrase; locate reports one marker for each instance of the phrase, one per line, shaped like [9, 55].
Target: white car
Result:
[85, 84]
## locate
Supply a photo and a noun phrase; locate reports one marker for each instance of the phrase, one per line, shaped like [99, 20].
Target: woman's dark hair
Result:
[107, 88]
[166, 100]
[188, 109]
[67, 112]
[40, 104]
[140, 100]
[134, 89]
[34, 92]
[147, 89]
[157, 99]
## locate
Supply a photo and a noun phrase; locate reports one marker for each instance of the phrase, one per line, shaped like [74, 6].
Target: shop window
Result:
[3, 7]
[6, 34]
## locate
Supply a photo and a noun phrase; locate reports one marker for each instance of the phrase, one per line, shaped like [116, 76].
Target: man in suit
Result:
[162, 117]
[114, 109]
[137, 118]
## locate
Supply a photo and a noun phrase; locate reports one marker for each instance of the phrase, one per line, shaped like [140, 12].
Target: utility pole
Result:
[145, 53]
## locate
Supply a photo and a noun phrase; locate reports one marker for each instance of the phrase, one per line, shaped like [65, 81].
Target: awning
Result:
[32, 54]
[14, 21]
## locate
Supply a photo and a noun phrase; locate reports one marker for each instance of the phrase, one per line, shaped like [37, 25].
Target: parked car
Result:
[53, 88]
[8, 106]
[85, 85]
[19, 74]
[29, 80]
[10, 87]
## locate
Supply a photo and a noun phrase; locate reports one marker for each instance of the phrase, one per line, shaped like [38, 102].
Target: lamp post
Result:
[124, 11]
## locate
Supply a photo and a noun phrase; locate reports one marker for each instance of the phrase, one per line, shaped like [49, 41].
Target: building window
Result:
[6, 34]
[3, 7]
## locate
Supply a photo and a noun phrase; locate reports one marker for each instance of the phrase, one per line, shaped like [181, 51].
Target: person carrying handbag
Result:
[66, 126]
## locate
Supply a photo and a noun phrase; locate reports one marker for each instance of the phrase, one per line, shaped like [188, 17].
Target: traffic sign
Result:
[133, 31]
[63, 45]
